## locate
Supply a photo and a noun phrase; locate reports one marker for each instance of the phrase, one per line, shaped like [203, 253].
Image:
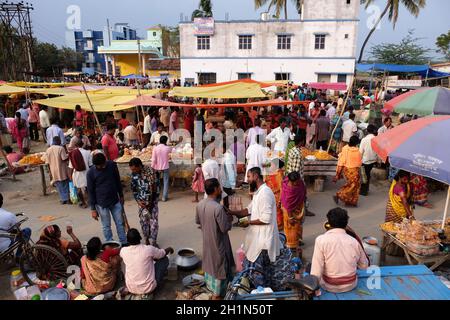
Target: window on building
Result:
[244, 75]
[284, 42]
[203, 43]
[154, 34]
[282, 76]
[324, 77]
[320, 42]
[349, 1]
[245, 42]
[207, 78]
[346, 36]
[342, 78]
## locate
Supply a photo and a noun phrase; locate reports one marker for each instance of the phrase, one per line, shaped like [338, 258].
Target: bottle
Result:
[16, 280]
[172, 272]
[240, 257]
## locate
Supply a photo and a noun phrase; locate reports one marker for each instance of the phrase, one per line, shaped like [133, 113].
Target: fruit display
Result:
[390, 227]
[182, 153]
[275, 154]
[32, 159]
[318, 154]
[145, 155]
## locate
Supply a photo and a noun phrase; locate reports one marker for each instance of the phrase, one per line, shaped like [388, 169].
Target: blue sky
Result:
[49, 17]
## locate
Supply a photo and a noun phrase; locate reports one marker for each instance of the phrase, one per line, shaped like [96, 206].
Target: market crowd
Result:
[268, 161]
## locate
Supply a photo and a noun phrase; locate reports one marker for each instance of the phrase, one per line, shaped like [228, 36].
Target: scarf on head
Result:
[292, 196]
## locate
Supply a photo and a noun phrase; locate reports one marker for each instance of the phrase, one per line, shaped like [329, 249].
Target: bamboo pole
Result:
[92, 108]
[446, 208]
[349, 92]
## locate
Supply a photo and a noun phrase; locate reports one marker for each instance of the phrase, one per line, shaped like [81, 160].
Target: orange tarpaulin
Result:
[261, 84]
[146, 100]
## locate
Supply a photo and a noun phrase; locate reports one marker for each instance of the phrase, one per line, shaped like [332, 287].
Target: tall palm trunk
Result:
[285, 9]
[361, 54]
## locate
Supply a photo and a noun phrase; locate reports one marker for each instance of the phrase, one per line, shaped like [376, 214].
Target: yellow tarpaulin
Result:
[52, 91]
[228, 91]
[100, 102]
[44, 84]
[7, 90]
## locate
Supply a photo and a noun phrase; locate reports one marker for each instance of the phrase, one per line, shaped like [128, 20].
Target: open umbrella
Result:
[421, 147]
[422, 102]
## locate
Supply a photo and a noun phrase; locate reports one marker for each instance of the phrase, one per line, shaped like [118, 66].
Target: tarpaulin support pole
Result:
[349, 92]
[92, 108]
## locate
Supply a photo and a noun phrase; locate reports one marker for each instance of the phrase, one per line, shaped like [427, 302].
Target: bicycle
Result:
[46, 262]
[301, 289]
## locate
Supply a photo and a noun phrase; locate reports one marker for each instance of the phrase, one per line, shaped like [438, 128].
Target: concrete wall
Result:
[330, 9]
[301, 70]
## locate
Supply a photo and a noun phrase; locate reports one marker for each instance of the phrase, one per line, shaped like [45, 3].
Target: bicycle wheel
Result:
[45, 261]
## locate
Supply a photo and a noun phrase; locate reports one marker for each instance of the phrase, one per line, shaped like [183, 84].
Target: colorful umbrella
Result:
[422, 102]
[419, 146]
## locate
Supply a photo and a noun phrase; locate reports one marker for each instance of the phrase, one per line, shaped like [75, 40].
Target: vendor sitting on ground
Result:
[99, 269]
[71, 250]
[12, 157]
[337, 255]
[142, 274]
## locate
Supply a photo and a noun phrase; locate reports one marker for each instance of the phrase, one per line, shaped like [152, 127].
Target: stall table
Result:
[436, 260]
[320, 167]
[42, 167]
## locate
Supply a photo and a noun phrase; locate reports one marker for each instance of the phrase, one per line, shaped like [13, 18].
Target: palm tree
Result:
[204, 10]
[413, 6]
[280, 5]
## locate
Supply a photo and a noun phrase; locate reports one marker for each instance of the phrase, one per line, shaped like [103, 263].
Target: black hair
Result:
[354, 141]
[294, 176]
[136, 162]
[211, 185]
[1, 200]
[18, 115]
[99, 146]
[7, 149]
[94, 246]
[124, 115]
[298, 139]
[351, 116]
[133, 237]
[54, 120]
[57, 140]
[386, 119]
[257, 171]
[322, 113]
[163, 139]
[402, 174]
[371, 129]
[77, 107]
[283, 120]
[111, 126]
[99, 159]
[338, 218]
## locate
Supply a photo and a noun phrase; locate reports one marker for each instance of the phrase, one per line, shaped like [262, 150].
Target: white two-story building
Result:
[318, 47]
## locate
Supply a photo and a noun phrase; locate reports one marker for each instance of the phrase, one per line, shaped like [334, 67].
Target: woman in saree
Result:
[99, 269]
[274, 180]
[19, 130]
[144, 185]
[349, 165]
[420, 191]
[293, 196]
[71, 250]
[400, 200]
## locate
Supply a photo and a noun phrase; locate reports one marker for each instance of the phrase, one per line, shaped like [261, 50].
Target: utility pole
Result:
[109, 32]
[139, 56]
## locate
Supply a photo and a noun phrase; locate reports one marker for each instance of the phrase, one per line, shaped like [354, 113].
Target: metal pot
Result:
[187, 259]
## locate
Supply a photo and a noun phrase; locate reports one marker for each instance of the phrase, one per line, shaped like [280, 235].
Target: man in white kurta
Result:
[279, 137]
[254, 132]
[256, 156]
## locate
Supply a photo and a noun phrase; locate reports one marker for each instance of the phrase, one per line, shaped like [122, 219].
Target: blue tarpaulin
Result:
[423, 70]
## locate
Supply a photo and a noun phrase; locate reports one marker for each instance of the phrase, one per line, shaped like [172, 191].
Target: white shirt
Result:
[54, 131]
[348, 128]
[311, 106]
[331, 112]
[7, 220]
[43, 119]
[210, 169]
[228, 171]
[154, 139]
[252, 133]
[147, 125]
[279, 138]
[382, 130]
[365, 147]
[256, 156]
[262, 237]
